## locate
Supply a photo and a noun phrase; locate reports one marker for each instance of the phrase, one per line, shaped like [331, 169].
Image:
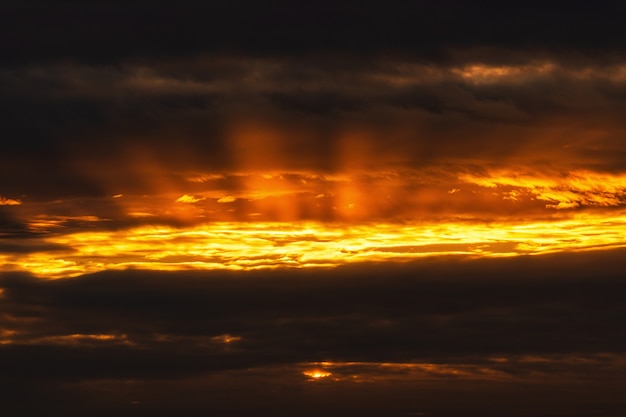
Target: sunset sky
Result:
[399, 208]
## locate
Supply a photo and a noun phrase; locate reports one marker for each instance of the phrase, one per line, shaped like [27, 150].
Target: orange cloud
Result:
[186, 198]
[270, 245]
[572, 190]
[5, 201]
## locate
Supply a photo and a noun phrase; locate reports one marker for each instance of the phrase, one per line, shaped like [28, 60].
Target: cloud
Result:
[287, 390]
[423, 146]
[554, 319]
[25, 245]
[11, 226]
[561, 191]
[186, 198]
[465, 300]
[161, 121]
[251, 244]
[5, 201]
[226, 199]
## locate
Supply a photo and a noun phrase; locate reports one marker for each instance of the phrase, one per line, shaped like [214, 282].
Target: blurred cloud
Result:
[4, 201]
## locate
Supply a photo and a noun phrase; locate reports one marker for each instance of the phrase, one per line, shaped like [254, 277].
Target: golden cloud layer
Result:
[258, 245]
[258, 220]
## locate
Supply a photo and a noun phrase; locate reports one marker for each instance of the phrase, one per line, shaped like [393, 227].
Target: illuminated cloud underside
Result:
[242, 246]
[304, 220]
[382, 182]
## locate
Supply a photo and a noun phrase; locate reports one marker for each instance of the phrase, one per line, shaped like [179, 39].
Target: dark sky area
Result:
[154, 123]
[89, 87]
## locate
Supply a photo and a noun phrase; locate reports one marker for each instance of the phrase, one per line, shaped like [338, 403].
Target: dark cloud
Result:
[550, 315]
[84, 85]
[9, 223]
[78, 131]
[441, 308]
[23, 246]
[284, 390]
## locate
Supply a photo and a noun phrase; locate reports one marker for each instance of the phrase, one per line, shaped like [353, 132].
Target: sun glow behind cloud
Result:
[272, 220]
[246, 246]
[370, 372]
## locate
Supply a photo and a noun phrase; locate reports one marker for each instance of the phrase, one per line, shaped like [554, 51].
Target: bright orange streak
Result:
[189, 199]
[226, 338]
[480, 74]
[498, 370]
[247, 246]
[5, 201]
[360, 372]
[316, 374]
[5, 336]
[70, 339]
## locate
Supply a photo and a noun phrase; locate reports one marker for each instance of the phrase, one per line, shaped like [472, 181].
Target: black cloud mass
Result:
[523, 325]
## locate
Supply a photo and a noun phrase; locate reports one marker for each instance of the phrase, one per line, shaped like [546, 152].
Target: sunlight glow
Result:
[12, 337]
[512, 367]
[481, 74]
[188, 199]
[4, 201]
[226, 338]
[368, 372]
[315, 374]
[273, 220]
[271, 245]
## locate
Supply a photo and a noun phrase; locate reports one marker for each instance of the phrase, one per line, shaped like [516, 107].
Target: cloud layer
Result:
[312, 208]
[444, 320]
[77, 131]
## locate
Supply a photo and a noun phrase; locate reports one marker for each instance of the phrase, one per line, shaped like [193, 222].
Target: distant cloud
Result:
[4, 201]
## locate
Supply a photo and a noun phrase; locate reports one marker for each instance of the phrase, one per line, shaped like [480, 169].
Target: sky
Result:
[400, 208]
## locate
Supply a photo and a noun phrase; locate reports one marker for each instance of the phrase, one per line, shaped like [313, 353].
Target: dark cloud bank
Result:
[552, 320]
[90, 89]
